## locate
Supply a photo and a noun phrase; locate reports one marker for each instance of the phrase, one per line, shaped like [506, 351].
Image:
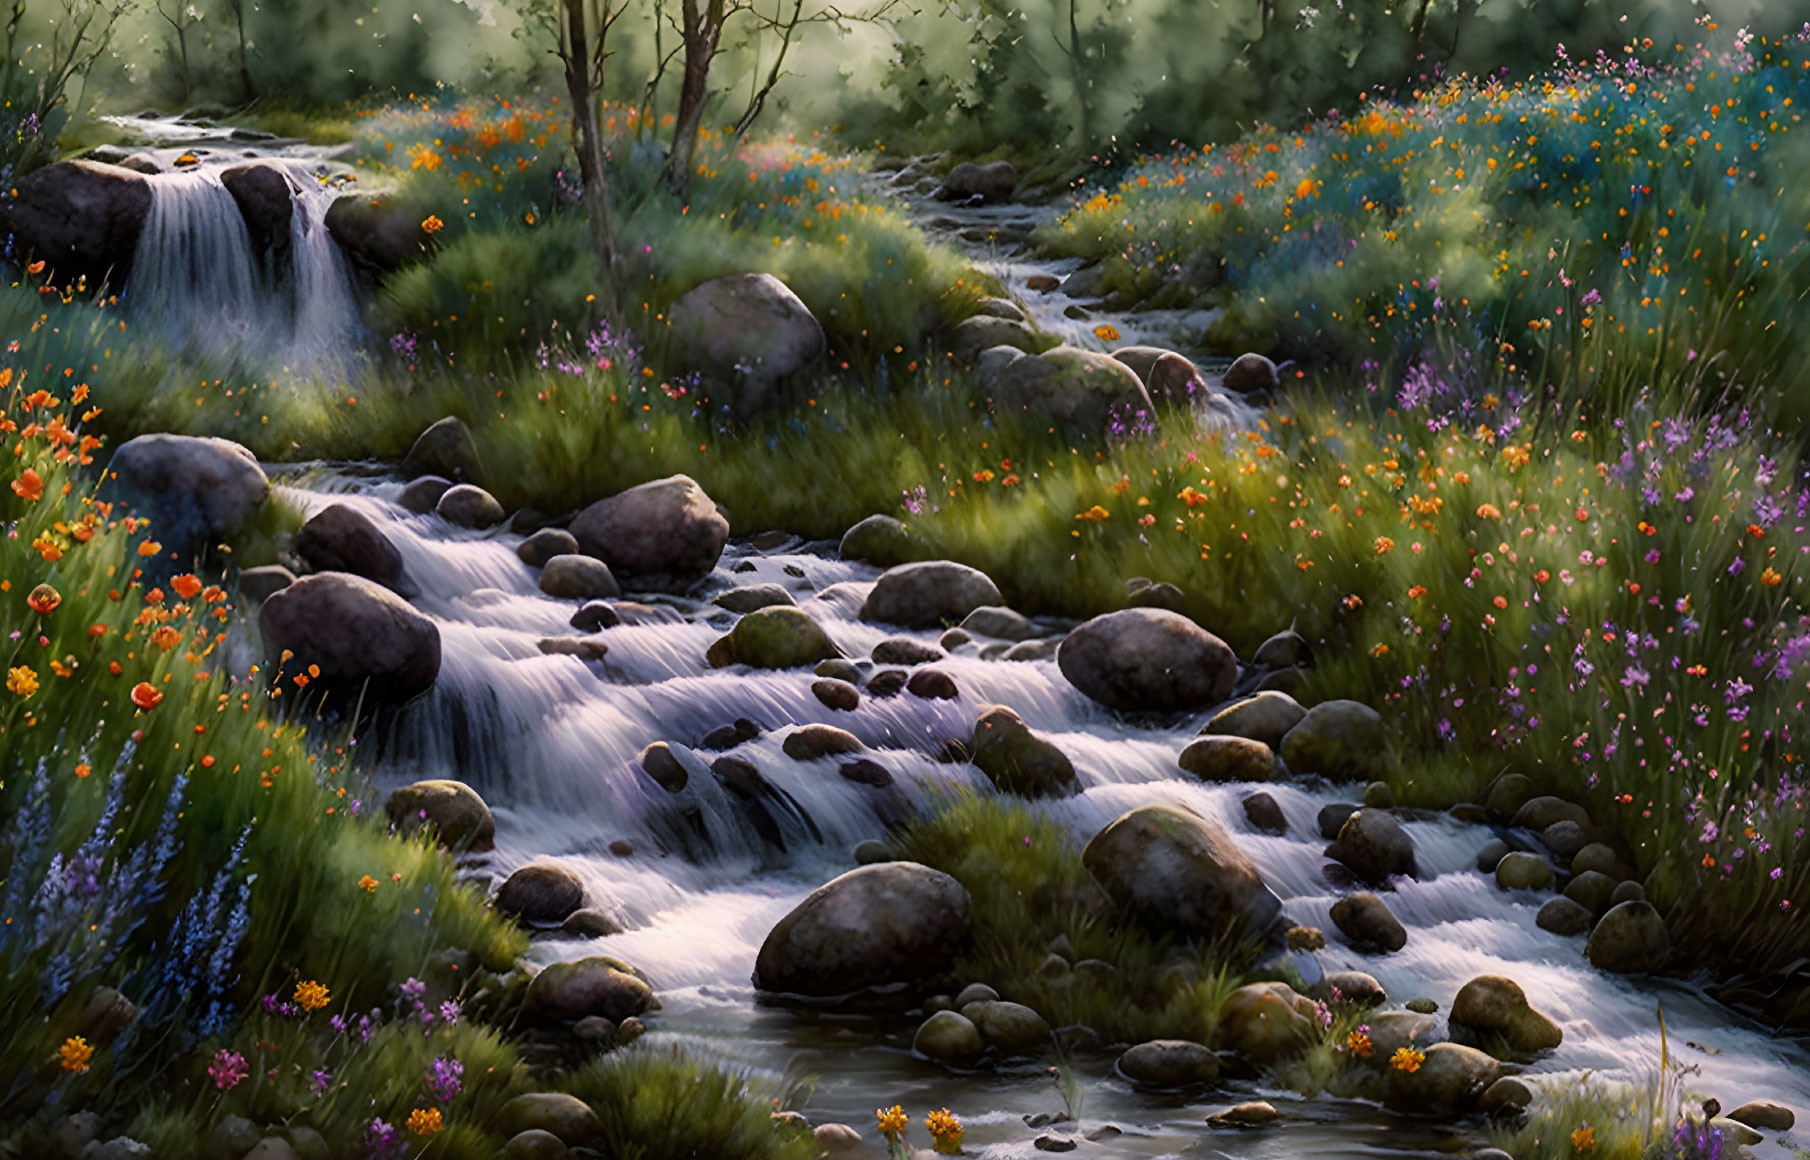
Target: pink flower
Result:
[227, 1069]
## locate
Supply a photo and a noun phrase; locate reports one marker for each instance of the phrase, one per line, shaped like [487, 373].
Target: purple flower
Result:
[227, 1069]
[445, 1078]
[320, 1081]
[382, 1141]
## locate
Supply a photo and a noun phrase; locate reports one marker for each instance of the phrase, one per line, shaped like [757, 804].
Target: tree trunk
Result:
[702, 29]
[246, 92]
[589, 147]
[1078, 69]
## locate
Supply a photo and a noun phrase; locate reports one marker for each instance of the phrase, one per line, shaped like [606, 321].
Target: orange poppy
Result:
[145, 695]
[29, 487]
[186, 585]
[44, 599]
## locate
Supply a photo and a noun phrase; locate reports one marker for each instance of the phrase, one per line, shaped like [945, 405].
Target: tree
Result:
[180, 16]
[78, 36]
[701, 31]
[247, 93]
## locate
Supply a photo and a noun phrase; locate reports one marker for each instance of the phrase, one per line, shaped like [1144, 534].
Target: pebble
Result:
[1057, 1142]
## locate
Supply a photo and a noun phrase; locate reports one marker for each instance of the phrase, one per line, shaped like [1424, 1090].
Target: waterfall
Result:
[198, 279]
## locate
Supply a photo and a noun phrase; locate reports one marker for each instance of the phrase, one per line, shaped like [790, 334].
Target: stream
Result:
[551, 741]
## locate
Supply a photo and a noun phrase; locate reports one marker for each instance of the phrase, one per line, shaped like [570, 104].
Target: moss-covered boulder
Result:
[1179, 872]
[1449, 1081]
[1265, 1022]
[885, 542]
[896, 922]
[459, 816]
[1228, 759]
[1017, 760]
[1342, 740]
[928, 594]
[779, 637]
[565, 992]
[1496, 1005]
[1631, 937]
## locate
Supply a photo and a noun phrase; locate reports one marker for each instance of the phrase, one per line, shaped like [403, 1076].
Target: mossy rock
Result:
[780, 637]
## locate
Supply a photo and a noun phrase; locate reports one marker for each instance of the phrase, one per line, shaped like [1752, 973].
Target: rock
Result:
[1018, 761]
[1251, 372]
[999, 623]
[974, 993]
[1563, 916]
[545, 545]
[232, 1136]
[575, 577]
[992, 360]
[1162, 595]
[540, 893]
[422, 495]
[664, 535]
[1378, 796]
[535, 1144]
[780, 637]
[1627, 892]
[1564, 839]
[459, 816]
[568, 991]
[1521, 870]
[1169, 1063]
[1495, 1005]
[1261, 810]
[836, 1138]
[884, 542]
[1056, 1142]
[271, 1148]
[1081, 392]
[259, 584]
[865, 771]
[989, 181]
[1374, 845]
[1422, 1006]
[953, 639]
[1630, 937]
[1033, 650]
[877, 925]
[589, 922]
[947, 1035]
[623, 848]
[1368, 923]
[873, 851]
[595, 616]
[566, 1117]
[1393, 1030]
[749, 331]
[262, 195]
[469, 506]
[973, 341]
[364, 638]
[1506, 1095]
[838, 695]
[1147, 659]
[584, 650]
[659, 763]
[1767, 1114]
[377, 235]
[339, 538]
[106, 1013]
[1332, 818]
[1342, 740]
[1221, 758]
[447, 452]
[1284, 650]
[1491, 855]
[1735, 1132]
[195, 491]
[118, 1148]
[902, 650]
[1254, 1114]
[1591, 890]
[932, 685]
[999, 308]
[809, 742]
[928, 594]
[1009, 1028]
[82, 218]
[887, 683]
[1266, 717]
[1174, 378]
[1541, 812]
[1290, 681]
[141, 163]
[1179, 872]
[1508, 793]
[753, 598]
[308, 1143]
[1357, 987]
[1267, 1021]
[1449, 1082]
[1601, 859]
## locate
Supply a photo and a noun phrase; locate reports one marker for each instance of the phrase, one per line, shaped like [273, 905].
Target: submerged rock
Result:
[1179, 871]
[1253, 1114]
[1148, 659]
[459, 816]
[928, 594]
[749, 331]
[664, 535]
[1017, 760]
[365, 640]
[898, 922]
[809, 742]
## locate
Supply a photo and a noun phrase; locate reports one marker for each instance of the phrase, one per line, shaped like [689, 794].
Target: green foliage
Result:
[1623, 1120]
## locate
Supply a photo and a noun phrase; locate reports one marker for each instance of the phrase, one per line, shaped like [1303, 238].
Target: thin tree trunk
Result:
[702, 28]
[758, 101]
[246, 92]
[589, 147]
[1078, 69]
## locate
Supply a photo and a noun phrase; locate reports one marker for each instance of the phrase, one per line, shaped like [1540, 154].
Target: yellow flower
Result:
[432, 225]
[1489, 511]
[1407, 1059]
[946, 1131]
[1107, 332]
[892, 1120]
[424, 1121]
[1095, 514]
[1383, 544]
[75, 1054]
[1359, 1043]
[1584, 1139]
[311, 996]
[22, 681]
[1771, 578]
[367, 884]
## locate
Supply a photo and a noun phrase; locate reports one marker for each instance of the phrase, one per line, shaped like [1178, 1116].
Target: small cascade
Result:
[198, 278]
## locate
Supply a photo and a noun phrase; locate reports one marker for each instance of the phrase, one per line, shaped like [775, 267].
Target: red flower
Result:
[29, 487]
[44, 599]
[145, 695]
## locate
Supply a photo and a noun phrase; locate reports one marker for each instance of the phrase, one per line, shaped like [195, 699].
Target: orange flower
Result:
[75, 1054]
[1771, 578]
[1489, 511]
[44, 599]
[186, 585]
[29, 486]
[149, 548]
[1416, 592]
[432, 225]
[1107, 332]
[145, 695]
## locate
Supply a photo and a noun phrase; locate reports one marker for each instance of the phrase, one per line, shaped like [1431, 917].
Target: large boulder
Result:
[1179, 872]
[81, 218]
[897, 922]
[1017, 760]
[541, 892]
[1221, 758]
[1374, 846]
[778, 637]
[1450, 1081]
[884, 541]
[445, 449]
[927, 594]
[365, 640]
[1081, 392]
[1009, 1028]
[1265, 1022]
[1251, 372]
[664, 535]
[1148, 659]
[972, 337]
[1496, 1005]
[988, 181]
[261, 192]
[565, 1117]
[1342, 740]
[378, 236]
[1167, 376]
[1631, 937]
[1169, 1063]
[574, 577]
[564, 992]
[459, 816]
[1369, 924]
[748, 331]
[340, 538]
[1266, 717]
[194, 490]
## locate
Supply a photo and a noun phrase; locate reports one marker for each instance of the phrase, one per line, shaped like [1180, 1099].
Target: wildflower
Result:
[146, 695]
[44, 599]
[1489, 511]
[432, 225]
[946, 1131]
[1771, 578]
[47, 547]
[892, 1120]
[1417, 591]
[29, 486]
[75, 1054]
[311, 996]
[227, 1069]
[1359, 1043]
[1107, 332]
[446, 1078]
[1584, 1139]
[1094, 514]
[21, 681]
[367, 884]
[187, 585]
[424, 1121]
[1383, 544]
[1407, 1059]
[149, 548]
